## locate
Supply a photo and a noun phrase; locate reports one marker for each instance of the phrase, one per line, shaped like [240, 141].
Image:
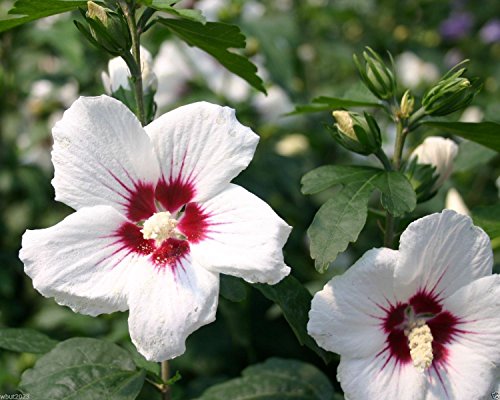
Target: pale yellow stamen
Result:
[160, 226]
[420, 343]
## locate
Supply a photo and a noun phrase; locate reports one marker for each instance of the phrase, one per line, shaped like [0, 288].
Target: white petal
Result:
[441, 253]
[202, 145]
[102, 156]
[168, 304]
[372, 378]
[347, 315]
[244, 237]
[79, 261]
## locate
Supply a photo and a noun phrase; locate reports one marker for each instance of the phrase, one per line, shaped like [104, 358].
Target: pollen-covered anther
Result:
[420, 343]
[160, 226]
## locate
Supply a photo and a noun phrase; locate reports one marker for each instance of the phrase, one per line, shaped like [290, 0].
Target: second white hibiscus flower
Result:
[157, 219]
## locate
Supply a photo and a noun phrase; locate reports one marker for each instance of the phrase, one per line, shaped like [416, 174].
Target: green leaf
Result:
[339, 222]
[186, 13]
[324, 177]
[485, 133]
[25, 340]
[337, 102]
[275, 379]
[488, 218]
[216, 38]
[232, 288]
[83, 369]
[295, 302]
[472, 155]
[398, 196]
[31, 10]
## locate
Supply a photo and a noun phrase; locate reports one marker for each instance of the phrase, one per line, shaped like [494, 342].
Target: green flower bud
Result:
[106, 29]
[406, 106]
[355, 132]
[452, 93]
[376, 75]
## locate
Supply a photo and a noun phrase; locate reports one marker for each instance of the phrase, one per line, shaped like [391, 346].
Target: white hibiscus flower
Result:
[157, 219]
[422, 322]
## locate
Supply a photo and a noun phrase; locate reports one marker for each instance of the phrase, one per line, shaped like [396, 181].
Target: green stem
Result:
[390, 221]
[416, 117]
[383, 159]
[129, 12]
[166, 393]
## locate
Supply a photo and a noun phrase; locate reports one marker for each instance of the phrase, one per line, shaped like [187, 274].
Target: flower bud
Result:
[406, 106]
[378, 77]
[355, 132]
[439, 153]
[453, 92]
[107, 29]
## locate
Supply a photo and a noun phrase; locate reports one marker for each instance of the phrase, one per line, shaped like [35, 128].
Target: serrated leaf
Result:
[324, 177]
[31, 10]
[83, 369]
[187, 13]
[339, 222]
[275, 379]
[295, 302]
[216, 38]
[25, 341]
[398, 196]
[232, 288]
[485, 133]
[488, 218]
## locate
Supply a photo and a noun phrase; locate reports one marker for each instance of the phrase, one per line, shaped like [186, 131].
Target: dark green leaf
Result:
[216, 38]
[193, 15]
[25, 340]
[336, 102]
[31, 10]
[398, 196]
[485, 133]
[488, 218]
[295, 302]
[327, 176]
[275, 379]
[83, 369]
[302, 109]
[339, 222]
[472, 155]
[232, 288]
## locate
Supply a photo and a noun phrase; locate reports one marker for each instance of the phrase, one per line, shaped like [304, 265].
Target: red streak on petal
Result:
[194, 224]
[170, 253]
[130, 236]
[424, 302]
[175, 193]
[141, 202]
[444, 328]
[395, 317]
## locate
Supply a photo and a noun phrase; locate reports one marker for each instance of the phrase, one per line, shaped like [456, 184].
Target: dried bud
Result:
[376, 75]
[407, 105]
[453, 92]
[355, 132]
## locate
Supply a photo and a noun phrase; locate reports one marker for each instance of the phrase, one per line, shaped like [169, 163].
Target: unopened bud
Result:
[355, 132]
[407, 104]
[452, 93]
[376, 75]
[97, 12]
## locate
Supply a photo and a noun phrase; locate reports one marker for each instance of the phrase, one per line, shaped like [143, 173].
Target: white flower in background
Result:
[455, 202]
[472, 114]
[157, 219]
[412, 71]
[422, 322]
[292, 145]
[118, 74]
[274, 106]
[438, 152]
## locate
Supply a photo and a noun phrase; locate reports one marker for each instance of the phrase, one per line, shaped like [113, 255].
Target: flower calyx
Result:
[355, 132]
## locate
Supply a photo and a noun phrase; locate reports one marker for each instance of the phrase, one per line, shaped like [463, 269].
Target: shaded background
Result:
[304, 49]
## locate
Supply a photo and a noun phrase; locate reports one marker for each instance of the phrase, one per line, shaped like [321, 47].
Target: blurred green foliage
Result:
[306, 47]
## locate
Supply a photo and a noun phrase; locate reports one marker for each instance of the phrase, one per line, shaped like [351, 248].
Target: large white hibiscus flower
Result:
[422, 322]
[157, 219]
